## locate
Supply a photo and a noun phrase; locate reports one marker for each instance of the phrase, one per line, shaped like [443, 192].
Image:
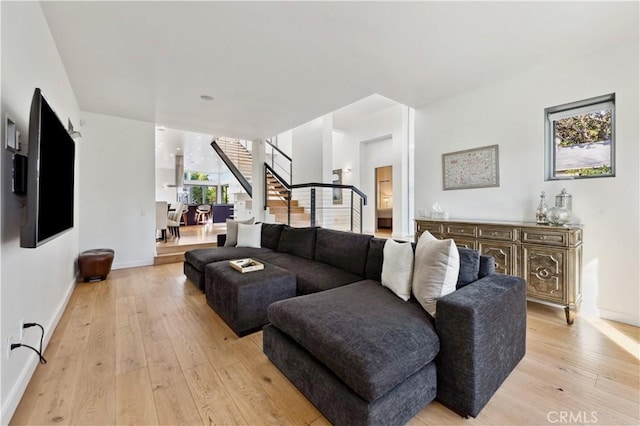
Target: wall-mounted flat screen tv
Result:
[50, 176]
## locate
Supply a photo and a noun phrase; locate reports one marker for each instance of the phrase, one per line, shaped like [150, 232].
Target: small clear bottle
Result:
[541, 211]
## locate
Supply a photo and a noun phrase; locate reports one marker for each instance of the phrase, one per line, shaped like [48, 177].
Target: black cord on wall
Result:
[39, 352]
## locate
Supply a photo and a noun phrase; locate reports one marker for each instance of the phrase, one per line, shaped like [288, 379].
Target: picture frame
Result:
[471, 168]
[11, 136]
[337, 192]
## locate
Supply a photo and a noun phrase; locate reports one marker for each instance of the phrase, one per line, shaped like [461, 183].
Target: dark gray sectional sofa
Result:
[360, 353]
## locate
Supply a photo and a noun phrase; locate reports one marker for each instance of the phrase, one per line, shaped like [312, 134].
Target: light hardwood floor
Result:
[143, 347]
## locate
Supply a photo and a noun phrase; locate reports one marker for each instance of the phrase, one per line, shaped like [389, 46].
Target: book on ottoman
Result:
[246, 265]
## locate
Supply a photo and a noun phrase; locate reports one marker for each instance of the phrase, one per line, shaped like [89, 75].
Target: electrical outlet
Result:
[21, 332]
[9, 342]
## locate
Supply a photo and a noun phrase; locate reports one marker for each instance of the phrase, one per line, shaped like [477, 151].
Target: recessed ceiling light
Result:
[206, 97]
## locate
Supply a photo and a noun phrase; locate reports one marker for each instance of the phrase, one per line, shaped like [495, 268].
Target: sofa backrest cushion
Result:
[487, 266]
[299, 242]
[373, 269]
[469, 266]
[270, 235]
[343, 250]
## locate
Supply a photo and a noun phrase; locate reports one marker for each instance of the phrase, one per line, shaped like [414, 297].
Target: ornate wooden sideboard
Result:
[548, 257]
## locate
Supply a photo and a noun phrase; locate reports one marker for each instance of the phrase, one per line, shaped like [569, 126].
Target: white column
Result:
[257, 179]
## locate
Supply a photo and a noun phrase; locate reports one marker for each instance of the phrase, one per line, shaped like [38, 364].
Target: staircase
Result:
[277, 196]
[237, 158]
[318, 204]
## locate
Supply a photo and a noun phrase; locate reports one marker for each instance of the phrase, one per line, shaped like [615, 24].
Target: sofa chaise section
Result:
[368, 346]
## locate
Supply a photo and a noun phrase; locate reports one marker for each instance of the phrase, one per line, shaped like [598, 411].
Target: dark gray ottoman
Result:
[240, 299]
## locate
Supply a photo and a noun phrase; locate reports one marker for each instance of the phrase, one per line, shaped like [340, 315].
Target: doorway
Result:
[384, 200]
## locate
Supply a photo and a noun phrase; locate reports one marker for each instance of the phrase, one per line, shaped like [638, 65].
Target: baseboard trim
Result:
[133, 264]
[18, 389]
[620, 317]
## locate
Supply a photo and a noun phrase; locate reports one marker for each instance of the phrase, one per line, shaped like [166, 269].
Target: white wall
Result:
[391, 123]
[510, 113]
[307, 152]
[164, 177]
[36, 283]
[257, 180]
[285, 141]
[117, 188]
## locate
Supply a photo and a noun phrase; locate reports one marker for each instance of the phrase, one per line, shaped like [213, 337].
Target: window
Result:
[580, 139]
[225, 194]
[202, 194]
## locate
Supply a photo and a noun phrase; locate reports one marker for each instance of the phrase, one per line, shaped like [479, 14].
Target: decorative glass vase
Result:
[541, 211]
[561, 213]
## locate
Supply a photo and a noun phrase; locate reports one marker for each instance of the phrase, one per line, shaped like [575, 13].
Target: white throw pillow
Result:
[435, 271]
[232, 231]
[397, 268]
[249, 235]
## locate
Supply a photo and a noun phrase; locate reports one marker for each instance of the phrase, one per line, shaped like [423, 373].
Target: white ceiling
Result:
[195, 147]
[272, 66]
[346, 116]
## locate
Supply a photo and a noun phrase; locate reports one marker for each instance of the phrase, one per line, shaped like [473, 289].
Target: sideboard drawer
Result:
[433, 228]
[547, 237]
[462, 230]
[469, 243]
[496, 233]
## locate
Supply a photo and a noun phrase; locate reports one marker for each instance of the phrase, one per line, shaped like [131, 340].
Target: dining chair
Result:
[173, 220]
[203, 211]
[161, 219]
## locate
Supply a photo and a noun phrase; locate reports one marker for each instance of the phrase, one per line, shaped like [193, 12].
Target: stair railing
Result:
[328, 203]
[269, 171]
[232, 167]
[279, 161]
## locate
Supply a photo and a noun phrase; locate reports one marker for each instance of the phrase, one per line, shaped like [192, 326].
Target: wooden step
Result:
[279, 202]
[163, 259]
[283, 209]
[175, 254]
[186, 247]
[276, 185]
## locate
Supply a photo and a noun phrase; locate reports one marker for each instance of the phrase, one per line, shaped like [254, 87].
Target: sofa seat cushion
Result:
[312, 276]
[199, 258]
[366, 335]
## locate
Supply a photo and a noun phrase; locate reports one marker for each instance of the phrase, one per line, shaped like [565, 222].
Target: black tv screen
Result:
[50, 176]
